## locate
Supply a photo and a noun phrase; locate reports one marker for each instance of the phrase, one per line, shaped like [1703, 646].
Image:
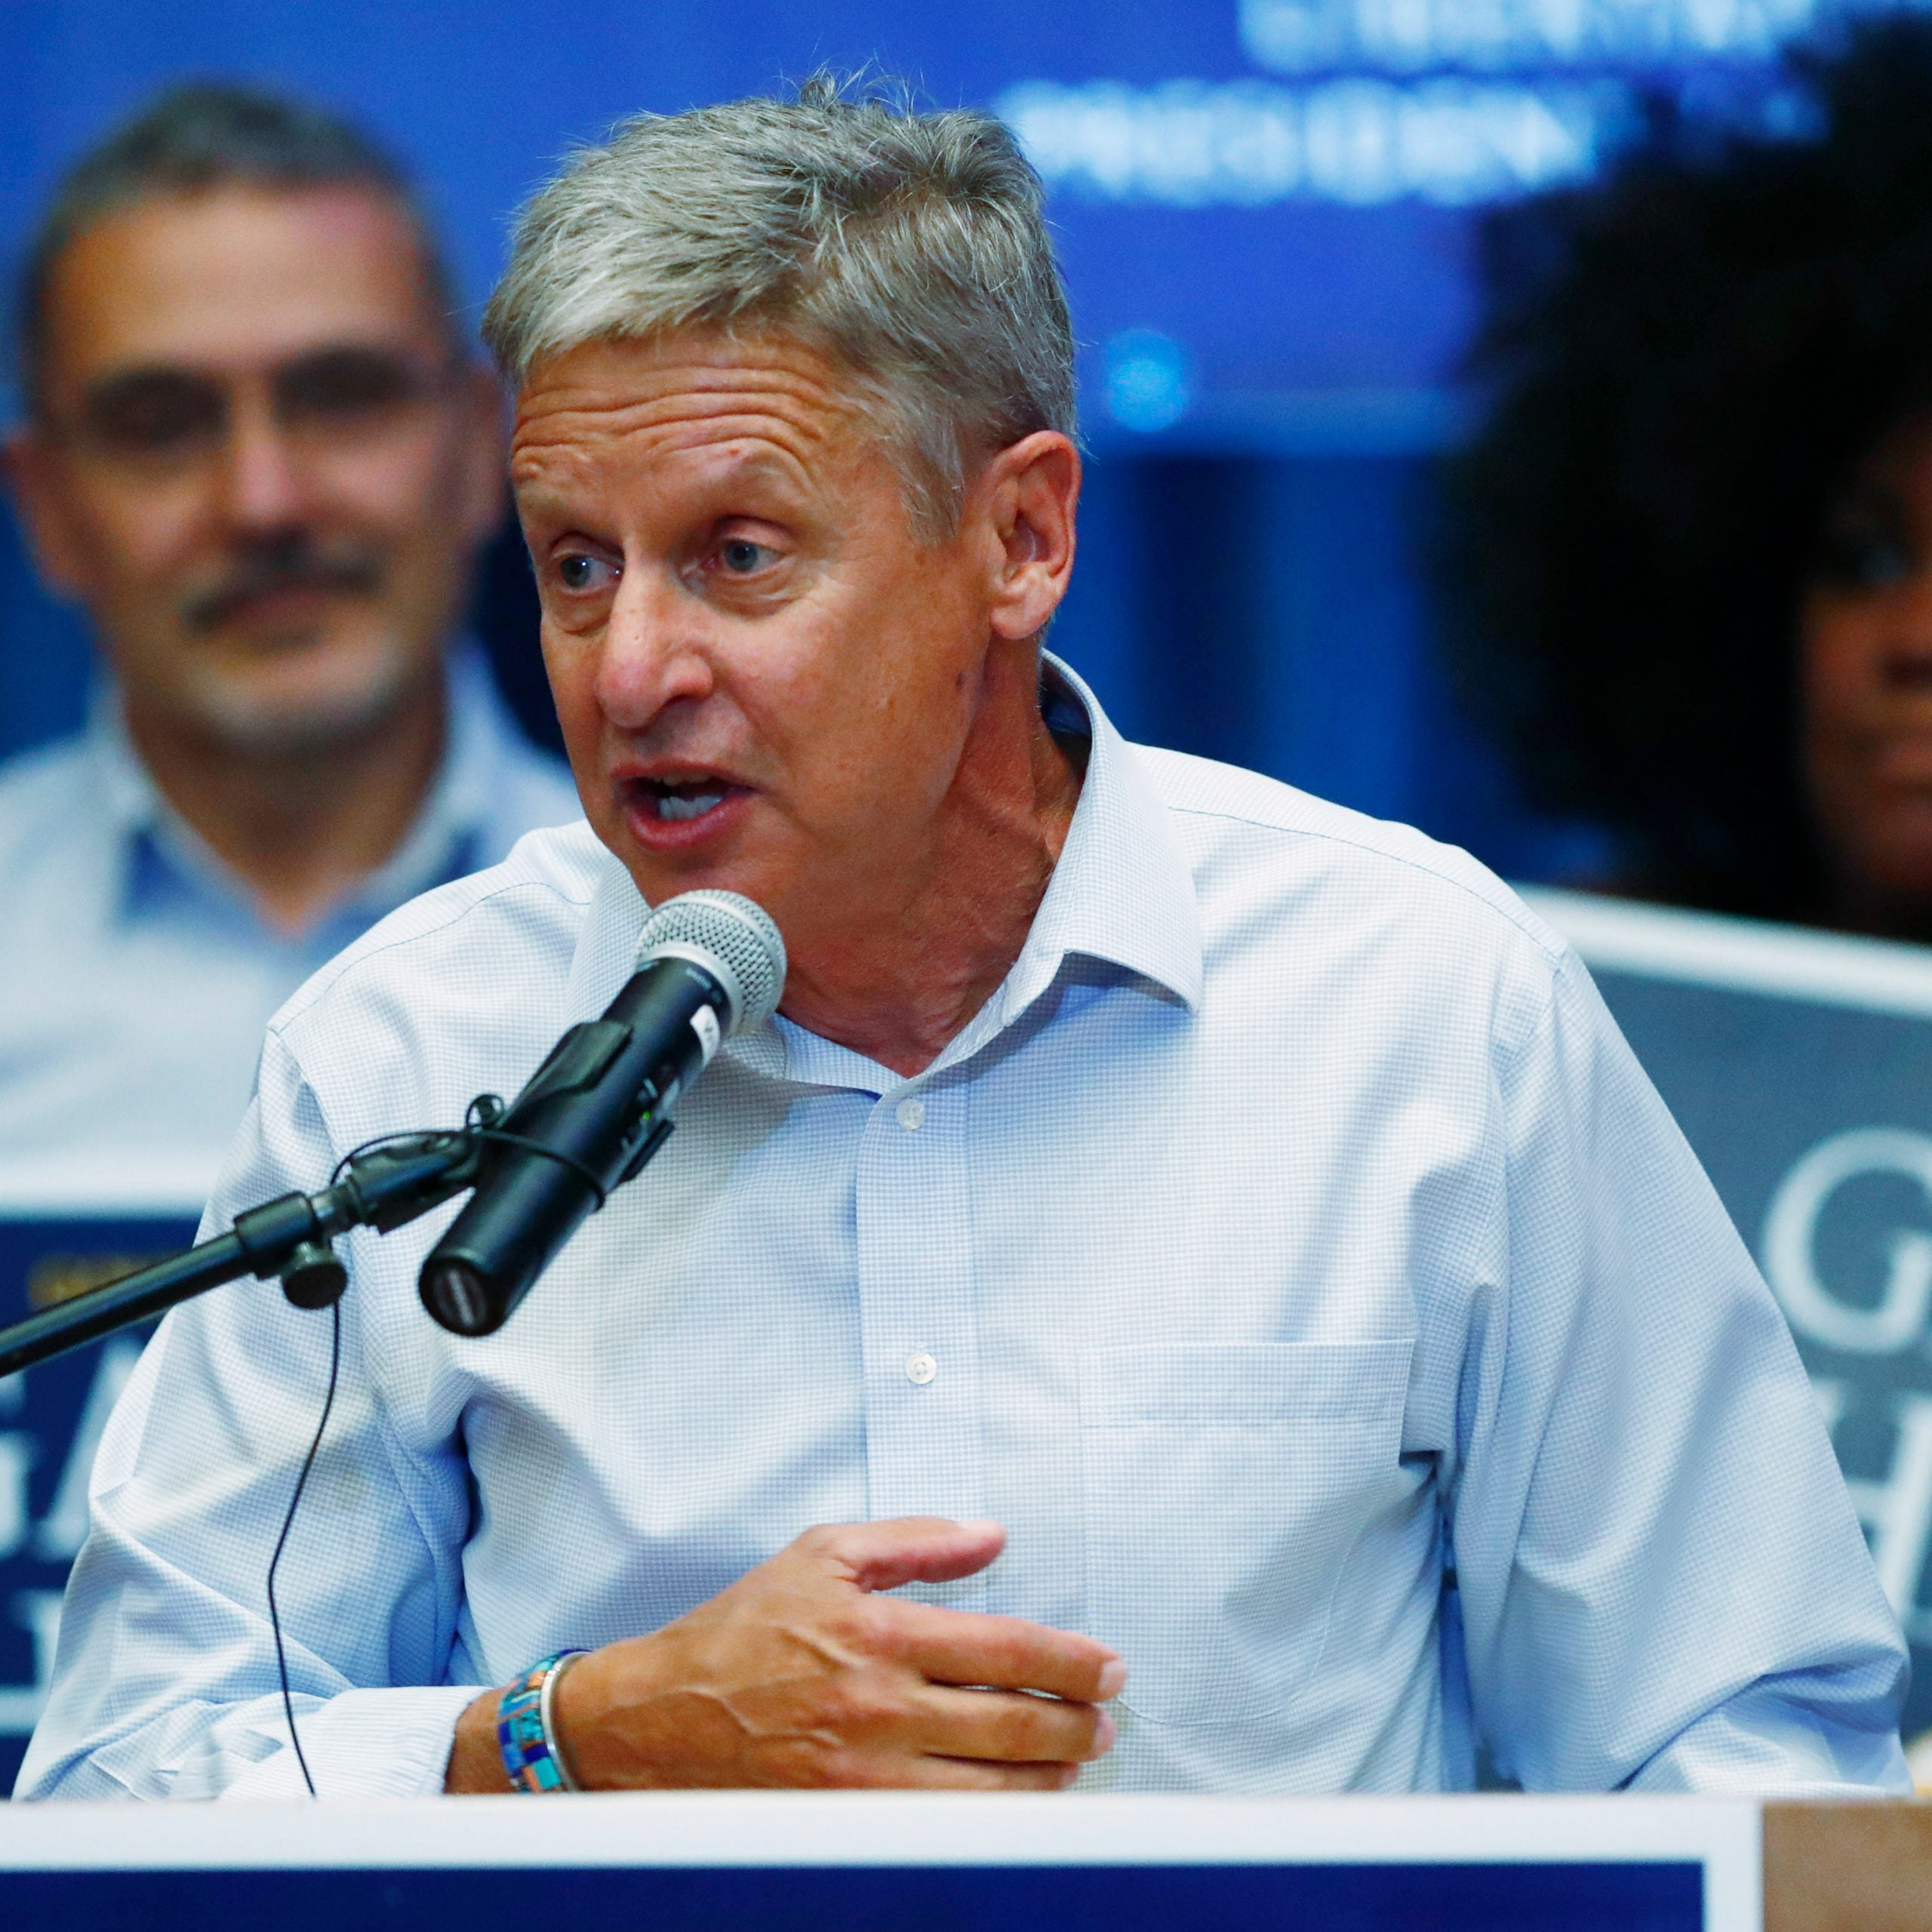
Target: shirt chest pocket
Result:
[1224, 1488]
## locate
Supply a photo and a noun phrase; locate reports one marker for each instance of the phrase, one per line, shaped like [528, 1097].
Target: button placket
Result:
[923, 1444]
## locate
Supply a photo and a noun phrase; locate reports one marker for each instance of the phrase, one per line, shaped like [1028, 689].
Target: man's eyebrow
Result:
[319, 354]
[765, 460]
[724, 468]
[121, 385]
[145, 375]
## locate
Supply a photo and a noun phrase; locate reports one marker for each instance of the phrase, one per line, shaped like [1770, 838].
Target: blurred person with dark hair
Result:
[258, 449]
[1689, 563]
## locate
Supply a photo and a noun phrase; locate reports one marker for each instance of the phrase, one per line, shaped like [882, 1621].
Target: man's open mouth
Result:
[672, 801]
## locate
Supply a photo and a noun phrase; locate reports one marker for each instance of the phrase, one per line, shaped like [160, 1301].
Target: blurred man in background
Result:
[258, 449]
[1690, 564]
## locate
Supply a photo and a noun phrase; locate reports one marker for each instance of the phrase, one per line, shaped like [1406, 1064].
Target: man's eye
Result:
[741, 557]
[155, 415]
[346, 386]
[578, 573]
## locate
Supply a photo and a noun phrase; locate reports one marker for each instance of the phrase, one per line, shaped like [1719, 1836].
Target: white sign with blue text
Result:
[1799, 1065]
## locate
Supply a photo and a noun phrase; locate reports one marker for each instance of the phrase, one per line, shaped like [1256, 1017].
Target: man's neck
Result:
[300, 828]
[941, 940]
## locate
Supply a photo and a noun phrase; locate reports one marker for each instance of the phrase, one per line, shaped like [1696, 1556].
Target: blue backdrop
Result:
[1265, 208]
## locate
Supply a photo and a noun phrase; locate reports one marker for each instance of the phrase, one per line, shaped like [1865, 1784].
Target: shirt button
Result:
[912, 1118]
[921, 1368]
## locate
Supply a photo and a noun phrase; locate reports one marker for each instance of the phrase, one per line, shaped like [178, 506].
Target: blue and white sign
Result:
[55, 1241]
[1799, 1065]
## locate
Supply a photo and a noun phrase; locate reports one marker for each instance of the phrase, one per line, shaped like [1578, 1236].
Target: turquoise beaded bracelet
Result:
[524, 1731]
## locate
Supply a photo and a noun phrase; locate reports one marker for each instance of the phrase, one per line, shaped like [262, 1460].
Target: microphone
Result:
[708, 963]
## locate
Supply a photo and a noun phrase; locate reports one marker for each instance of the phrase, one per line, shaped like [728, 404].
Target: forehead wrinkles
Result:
[619, 405]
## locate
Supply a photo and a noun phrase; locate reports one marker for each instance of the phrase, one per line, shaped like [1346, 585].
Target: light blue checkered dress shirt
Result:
[1291, 1254]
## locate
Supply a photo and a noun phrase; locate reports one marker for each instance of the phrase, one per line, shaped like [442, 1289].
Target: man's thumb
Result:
[912, 1549]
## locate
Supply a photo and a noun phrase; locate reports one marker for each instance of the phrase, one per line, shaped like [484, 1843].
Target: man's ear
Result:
[40, 500]
[1027, 497]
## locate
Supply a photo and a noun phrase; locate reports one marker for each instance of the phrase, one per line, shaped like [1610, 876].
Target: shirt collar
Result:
[161, 851]
[126, 794]
[1122, 893]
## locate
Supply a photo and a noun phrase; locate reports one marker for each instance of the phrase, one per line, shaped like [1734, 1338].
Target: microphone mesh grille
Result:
[738, 930]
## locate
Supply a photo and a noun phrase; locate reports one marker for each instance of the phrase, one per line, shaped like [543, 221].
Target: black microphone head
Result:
[733, 938]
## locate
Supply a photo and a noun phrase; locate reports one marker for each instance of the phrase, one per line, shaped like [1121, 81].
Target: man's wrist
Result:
[617, 1680]
[573, 1730]
[476, 1764]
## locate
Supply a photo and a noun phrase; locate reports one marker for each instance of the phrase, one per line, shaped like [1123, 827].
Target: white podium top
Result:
[744, 1829]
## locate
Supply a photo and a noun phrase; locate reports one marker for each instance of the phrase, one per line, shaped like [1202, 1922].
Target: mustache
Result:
[293, 563]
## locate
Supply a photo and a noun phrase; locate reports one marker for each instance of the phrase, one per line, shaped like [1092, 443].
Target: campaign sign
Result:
[51, 1417]
[1799, 1065]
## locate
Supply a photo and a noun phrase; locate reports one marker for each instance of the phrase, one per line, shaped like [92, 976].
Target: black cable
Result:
[483, 1112]
[356, 1153]
[287, 1524]
[480, 1121]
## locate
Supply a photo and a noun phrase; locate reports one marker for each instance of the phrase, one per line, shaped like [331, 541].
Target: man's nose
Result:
[263, 483]
[654, 654]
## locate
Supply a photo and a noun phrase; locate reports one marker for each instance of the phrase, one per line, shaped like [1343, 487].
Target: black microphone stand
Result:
[289, 1239]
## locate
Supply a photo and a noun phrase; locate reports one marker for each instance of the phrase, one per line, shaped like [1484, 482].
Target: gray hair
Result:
[192, 138]
[910, 248]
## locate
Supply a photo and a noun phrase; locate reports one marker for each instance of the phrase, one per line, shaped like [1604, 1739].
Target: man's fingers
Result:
[904, 1549]
[975, 1774]
[967, 1646]
[1008, 1727]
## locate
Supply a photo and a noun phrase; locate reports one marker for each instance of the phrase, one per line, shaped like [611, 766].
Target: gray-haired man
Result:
[1207, 1242]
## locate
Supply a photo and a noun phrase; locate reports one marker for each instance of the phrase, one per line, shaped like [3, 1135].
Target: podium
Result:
[879, 1862]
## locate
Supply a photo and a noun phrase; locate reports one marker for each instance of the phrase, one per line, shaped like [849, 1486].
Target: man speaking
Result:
[1177, 1235]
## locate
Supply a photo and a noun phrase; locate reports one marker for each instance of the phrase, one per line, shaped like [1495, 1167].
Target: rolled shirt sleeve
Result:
[164, 1681]
[1663, 1583]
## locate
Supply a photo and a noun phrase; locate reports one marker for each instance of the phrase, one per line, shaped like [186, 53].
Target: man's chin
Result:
[294, 710]
[731, 861]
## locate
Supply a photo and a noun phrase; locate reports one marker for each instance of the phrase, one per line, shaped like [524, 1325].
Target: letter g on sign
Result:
[1791, 1234]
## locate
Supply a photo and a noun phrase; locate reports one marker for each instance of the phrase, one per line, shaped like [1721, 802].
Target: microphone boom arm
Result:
[288, 1238]
[590, 1117]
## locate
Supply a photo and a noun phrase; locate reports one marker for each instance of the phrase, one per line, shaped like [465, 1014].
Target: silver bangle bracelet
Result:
[545, 1707]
